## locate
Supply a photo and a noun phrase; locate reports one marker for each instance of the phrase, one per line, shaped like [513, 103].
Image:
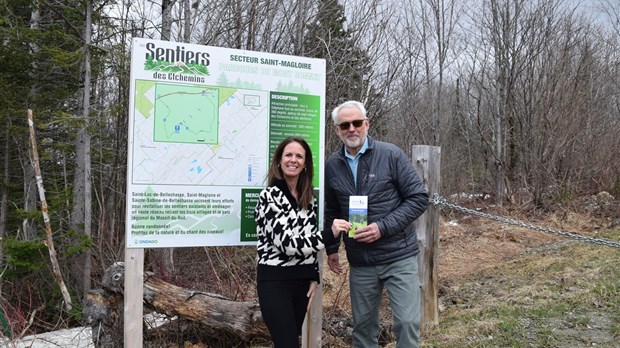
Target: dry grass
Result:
[506, 286]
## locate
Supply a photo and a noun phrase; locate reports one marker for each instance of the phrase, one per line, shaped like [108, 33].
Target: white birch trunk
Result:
[49, 242]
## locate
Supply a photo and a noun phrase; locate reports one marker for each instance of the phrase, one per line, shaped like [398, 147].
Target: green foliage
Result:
[66, 59]
[4, 324]
[76, 312]
[83, 243]
[607, 291]
[24, 257]
[37, 74]
[27, 214]
[29, 268]
[40, 64]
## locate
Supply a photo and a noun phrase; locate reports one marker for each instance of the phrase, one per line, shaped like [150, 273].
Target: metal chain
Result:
[441, 201]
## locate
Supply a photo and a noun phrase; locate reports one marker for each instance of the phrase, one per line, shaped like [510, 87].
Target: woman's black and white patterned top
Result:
[288, 236]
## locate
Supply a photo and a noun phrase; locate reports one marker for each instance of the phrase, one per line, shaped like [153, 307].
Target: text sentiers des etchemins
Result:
[269, 61]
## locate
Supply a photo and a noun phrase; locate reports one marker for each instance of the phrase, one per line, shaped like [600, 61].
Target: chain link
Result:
[441, 201]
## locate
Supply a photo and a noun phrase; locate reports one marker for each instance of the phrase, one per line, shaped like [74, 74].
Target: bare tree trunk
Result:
[30, 200]
[30, 194]
[502, 29]
[86, 274]
[49, 242]
[81, 214]
[302, 7]
[165, 257]
[238, 20]
[250, 25]
[4, 199]
[65, 179]
[166, 18]
[440, 19]
[109, 221]
[187, 14]
[445, 17]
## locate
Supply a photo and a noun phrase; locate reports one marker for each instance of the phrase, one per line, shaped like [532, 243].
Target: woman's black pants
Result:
[283, 306]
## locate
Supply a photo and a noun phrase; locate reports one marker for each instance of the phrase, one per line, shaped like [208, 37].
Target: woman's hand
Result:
[311, 293]
[339, 226]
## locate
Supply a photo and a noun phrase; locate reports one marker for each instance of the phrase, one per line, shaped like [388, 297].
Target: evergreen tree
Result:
[348, 67]
[40, 58]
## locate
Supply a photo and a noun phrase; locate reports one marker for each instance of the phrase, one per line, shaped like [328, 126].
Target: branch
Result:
[49, 242]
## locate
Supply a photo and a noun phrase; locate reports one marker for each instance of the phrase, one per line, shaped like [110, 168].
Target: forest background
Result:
[522, 96]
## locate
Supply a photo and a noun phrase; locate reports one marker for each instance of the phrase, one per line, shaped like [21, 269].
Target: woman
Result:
[289, 242]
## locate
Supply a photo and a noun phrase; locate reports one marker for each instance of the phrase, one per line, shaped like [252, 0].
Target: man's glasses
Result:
[346, 125]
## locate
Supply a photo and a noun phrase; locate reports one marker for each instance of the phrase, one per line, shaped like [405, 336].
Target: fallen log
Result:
[103, 308]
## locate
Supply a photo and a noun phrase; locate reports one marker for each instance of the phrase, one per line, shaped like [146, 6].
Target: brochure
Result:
[358, 213]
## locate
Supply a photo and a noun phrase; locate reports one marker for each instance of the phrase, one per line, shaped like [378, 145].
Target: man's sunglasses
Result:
[346, 125]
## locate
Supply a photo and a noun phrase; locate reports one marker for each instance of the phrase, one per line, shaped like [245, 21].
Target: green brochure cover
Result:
[358, 213]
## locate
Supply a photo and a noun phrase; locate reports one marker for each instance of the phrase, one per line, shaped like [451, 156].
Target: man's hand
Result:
[367, 234]
[334, 263]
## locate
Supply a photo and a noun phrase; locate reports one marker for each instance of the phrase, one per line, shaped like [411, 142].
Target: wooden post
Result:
[134, 290]
[313, 325]
[427, 160]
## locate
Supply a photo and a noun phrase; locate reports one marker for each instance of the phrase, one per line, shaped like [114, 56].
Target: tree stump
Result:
[103, 308]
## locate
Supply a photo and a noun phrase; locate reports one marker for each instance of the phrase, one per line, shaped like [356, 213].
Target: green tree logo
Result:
[175, 67]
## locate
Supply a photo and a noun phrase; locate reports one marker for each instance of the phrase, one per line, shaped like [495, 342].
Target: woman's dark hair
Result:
[304, 184]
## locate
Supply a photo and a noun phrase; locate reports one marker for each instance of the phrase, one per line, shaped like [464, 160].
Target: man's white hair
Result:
[346, 105]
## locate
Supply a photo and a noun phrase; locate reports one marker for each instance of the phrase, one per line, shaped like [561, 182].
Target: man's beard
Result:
[358, 142]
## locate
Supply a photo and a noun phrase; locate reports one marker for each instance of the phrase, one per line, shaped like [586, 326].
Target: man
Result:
[384, 253]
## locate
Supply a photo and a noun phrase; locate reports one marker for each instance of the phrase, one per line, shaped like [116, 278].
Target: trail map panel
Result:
[204, 122]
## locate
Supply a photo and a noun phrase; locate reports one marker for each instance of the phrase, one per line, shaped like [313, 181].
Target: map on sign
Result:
[186, 114]
[199, 135]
